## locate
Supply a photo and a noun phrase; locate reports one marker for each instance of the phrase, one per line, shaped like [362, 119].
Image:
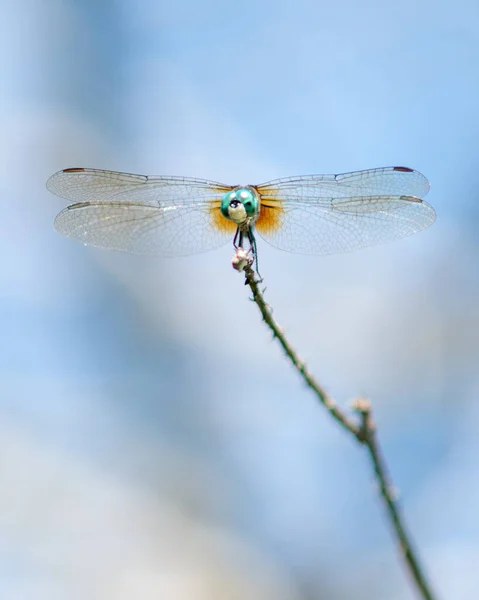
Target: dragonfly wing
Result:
[333, 225]
[143, 228]
[84, 185]
[387, 181]
[168, 216]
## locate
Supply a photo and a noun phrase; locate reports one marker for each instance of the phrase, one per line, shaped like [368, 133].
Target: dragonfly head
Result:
[240, 204]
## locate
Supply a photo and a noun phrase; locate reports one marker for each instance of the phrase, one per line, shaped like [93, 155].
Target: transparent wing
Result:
[327, 214]
[169, 216]
[387, 181]
[83, 185]
[143, 229]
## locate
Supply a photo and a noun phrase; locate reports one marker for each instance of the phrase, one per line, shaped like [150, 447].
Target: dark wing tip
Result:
[403, 169]
[411, 199]
[78, 205]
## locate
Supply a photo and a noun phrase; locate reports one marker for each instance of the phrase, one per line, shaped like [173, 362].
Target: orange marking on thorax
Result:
[217, 219]
[270, 216]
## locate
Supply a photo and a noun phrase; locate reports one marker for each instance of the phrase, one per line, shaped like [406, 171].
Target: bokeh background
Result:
[153, 441]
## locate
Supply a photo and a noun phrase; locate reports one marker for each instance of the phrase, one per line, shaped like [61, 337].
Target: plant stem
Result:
[364, 432]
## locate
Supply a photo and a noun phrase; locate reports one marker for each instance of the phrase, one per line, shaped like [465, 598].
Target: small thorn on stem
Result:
[366, 426]
[361, 405]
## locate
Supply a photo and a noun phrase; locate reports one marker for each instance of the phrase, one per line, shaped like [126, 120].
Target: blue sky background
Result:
[154, 442]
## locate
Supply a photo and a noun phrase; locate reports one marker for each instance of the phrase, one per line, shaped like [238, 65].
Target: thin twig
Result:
[389, 496]
[300, 365]
[364, 432]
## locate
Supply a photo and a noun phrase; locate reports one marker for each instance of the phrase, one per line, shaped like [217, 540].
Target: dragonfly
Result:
[175, 216]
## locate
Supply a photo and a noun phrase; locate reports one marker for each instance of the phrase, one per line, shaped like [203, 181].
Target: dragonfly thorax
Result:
[240, 205]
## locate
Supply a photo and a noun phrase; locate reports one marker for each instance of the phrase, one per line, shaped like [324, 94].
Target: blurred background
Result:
[153, 441]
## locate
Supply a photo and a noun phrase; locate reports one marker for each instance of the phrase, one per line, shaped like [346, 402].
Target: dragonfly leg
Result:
[236, 238]
[253, 250]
